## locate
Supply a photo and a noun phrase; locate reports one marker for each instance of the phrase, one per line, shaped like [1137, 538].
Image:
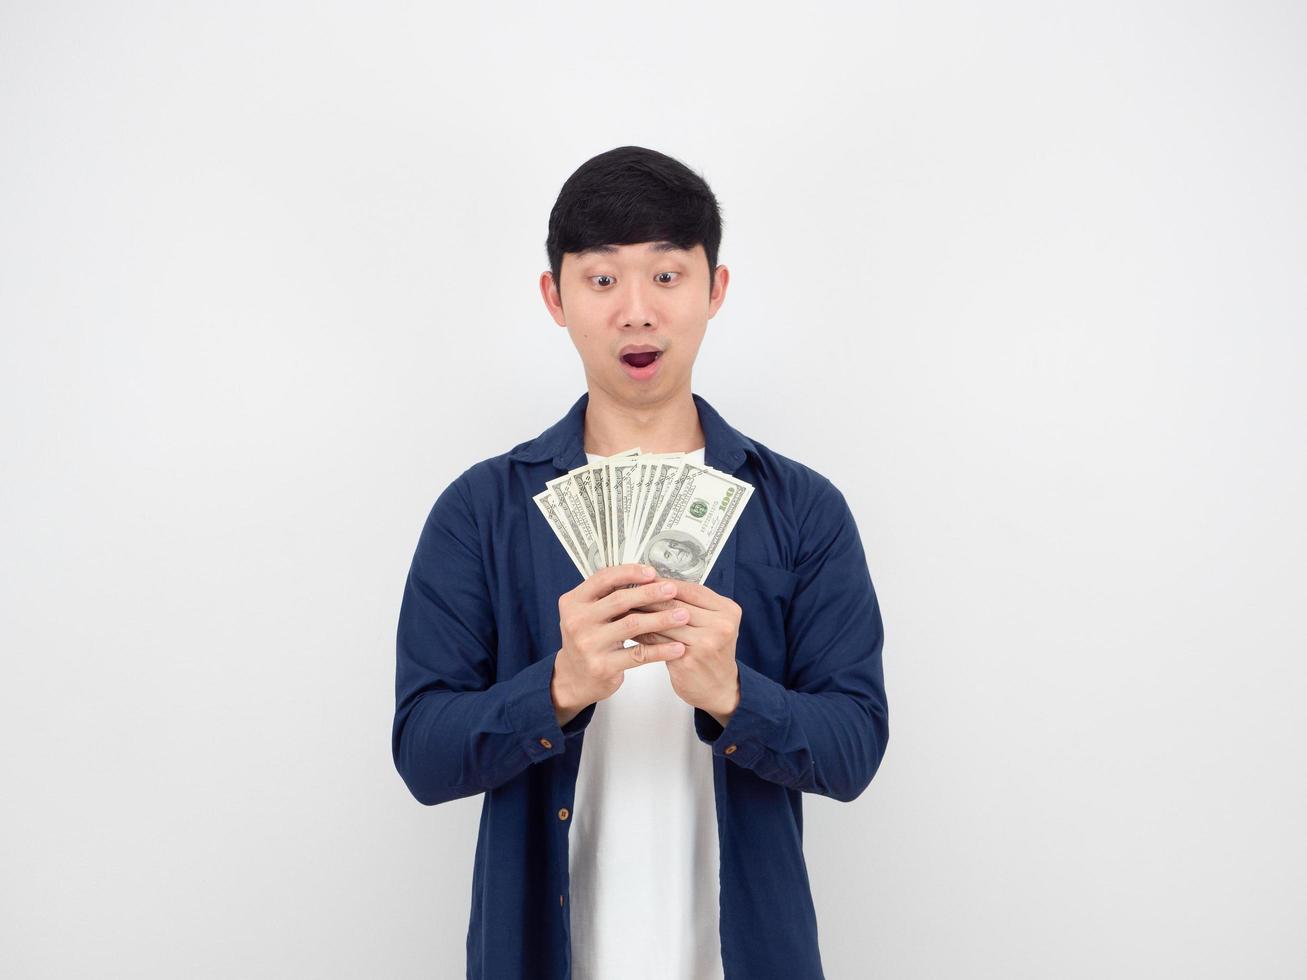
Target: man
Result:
[734, 696]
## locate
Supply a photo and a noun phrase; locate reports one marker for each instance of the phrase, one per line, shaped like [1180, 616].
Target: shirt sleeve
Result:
[825, 730]
[456, 731]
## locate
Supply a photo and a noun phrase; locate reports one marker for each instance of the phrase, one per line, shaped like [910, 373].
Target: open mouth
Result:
[642, 359]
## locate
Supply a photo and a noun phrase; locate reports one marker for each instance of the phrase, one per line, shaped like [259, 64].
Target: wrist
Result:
[722, 713]
[560, 692]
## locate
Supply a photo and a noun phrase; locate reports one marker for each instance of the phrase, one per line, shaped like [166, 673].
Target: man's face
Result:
[649, 295]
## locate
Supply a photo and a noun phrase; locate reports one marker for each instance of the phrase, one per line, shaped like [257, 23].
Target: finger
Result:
[663, 599]
[654, 606]
[622, 600]
[699, 595]
[649, 652]
[604, 581]
[637, 623]
[698, 617]
[683, 632]
[668, 634]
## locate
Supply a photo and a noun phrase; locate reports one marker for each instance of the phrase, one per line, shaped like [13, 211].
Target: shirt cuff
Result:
[530, 710]
[760, 717]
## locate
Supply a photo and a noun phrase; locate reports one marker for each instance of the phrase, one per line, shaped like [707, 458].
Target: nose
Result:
[637, 308]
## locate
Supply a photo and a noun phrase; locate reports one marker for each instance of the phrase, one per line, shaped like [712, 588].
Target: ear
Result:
[721, 278]
[553, 298]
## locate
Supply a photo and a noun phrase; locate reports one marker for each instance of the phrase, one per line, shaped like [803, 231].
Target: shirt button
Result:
[730, 749]
[546, 743]
[562, 814]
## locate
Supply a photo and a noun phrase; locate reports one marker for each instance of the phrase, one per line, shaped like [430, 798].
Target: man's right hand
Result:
[594, 619]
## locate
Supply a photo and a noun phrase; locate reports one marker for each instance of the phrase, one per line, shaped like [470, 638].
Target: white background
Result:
[1025, 281]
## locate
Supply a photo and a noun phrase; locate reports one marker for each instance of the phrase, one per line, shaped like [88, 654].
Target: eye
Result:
[601, 277]
[667, 274]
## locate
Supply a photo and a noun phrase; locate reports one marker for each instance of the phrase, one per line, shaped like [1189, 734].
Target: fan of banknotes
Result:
[659, 509]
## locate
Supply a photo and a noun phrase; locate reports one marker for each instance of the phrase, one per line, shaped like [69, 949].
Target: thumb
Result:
[653, 638]
[646, 652]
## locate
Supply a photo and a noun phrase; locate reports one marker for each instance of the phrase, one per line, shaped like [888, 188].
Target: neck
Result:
[667, 426]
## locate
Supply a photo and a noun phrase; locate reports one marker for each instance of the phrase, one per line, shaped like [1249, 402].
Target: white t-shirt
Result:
[642, 839]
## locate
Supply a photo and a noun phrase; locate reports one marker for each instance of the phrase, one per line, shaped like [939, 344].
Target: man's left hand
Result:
[706, 675]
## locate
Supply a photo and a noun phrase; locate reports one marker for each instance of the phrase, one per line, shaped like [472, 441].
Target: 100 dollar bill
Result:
[654, 508]
[689, 530]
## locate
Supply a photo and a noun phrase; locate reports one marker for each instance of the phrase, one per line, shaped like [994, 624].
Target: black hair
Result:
[633, 194]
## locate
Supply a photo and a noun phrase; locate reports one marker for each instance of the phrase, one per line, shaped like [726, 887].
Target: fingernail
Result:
[646, 571]
[681, 614]
[669, 589]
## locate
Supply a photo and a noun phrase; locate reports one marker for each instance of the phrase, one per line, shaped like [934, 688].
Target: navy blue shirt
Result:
[478, 634]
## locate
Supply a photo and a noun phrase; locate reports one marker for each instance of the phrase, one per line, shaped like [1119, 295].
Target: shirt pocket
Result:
[764, 593]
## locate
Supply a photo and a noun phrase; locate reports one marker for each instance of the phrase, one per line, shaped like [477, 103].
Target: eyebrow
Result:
[610, 249]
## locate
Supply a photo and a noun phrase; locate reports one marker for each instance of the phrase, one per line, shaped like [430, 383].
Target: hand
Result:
[594, 619]
[707, 676]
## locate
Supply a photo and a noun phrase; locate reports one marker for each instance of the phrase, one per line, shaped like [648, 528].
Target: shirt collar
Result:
[564, 441]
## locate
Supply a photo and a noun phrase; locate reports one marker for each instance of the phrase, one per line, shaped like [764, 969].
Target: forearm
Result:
[457, 730]
[830, 743]
[451, 744]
